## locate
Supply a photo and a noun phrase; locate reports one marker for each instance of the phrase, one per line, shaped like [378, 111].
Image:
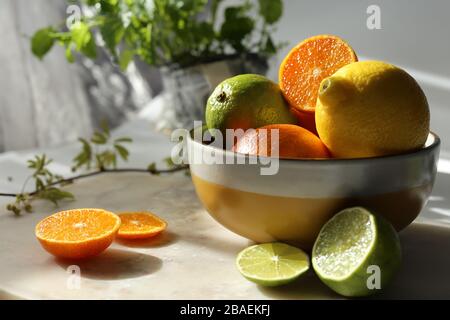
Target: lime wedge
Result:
[356, 253]
[272, 264]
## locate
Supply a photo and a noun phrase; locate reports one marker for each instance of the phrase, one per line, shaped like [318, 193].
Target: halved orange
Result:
[140, 225]
[77, 233]
[307, 64]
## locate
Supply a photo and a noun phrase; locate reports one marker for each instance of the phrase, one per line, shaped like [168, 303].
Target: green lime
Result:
[247, 101]
[272, 264]
[356, 253]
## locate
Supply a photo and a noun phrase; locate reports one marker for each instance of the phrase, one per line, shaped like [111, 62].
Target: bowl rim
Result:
[424, 150]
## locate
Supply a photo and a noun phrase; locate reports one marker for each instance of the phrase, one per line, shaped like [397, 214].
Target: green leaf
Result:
[85, 155]
[123, 139]
[112, 32]
[112, 2]
[69, 54]
[152, 168]
[39, 184]
[125, 58]
[271, 10]
[109, 159]
[123, 152]
[269, 47]
[84, 39]
[55, 195]
[236, 26]
[169, 162]
[99, 138]
[42, 41]
[105, 127]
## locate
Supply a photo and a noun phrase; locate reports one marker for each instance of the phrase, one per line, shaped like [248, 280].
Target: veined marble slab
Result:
[194, 259]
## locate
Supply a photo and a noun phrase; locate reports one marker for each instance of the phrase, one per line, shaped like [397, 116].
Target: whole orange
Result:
[293, 142]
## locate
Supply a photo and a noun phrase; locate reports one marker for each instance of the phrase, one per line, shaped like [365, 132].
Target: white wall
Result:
[41, 103]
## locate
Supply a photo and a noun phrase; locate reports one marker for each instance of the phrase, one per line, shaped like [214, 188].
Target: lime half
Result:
[272, 264]
[356, 253]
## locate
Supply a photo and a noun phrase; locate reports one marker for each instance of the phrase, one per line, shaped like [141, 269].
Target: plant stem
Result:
[98, 172]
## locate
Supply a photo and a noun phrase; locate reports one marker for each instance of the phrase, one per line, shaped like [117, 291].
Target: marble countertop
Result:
[195, 258]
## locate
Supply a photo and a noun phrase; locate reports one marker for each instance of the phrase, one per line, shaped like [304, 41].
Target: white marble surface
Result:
[194, 259]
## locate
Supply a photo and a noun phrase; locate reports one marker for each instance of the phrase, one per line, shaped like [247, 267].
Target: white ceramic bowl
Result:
[292, 205]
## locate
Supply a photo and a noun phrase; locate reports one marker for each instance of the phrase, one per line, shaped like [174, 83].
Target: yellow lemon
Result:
[371, 108]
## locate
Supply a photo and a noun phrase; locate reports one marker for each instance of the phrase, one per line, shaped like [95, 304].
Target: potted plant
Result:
[194, 43]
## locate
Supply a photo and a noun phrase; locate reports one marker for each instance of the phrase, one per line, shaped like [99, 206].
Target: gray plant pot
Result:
[186, 90]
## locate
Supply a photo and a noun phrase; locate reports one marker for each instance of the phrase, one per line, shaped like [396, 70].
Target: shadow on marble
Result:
[306, 287]
[438, 206]
[218, 244]
[164, 239]
[424, 273]
[115, 264]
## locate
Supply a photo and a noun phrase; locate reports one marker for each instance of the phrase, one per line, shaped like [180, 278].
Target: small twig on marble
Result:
[98, 172]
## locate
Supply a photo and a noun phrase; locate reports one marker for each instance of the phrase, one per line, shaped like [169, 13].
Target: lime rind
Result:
[272, 264]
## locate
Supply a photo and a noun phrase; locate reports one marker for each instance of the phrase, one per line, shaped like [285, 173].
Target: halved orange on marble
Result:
[140, 225]
[78, 233]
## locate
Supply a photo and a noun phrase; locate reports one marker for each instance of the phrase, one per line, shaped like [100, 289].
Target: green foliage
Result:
[44, 181]
[161, 32]
[169, 162]
[271, 10]
[101, 151]
[42, 175]
[236, 27]
[152, 168]
[54, 195]
[42, 42]
[83, 38]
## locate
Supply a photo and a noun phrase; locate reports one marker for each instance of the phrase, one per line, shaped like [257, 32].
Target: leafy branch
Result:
[44, 186]
[99, 152]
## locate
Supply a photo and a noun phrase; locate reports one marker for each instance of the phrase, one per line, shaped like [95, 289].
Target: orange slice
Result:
[140, 225]
[77, 233]
[293, 142]
[307, 64]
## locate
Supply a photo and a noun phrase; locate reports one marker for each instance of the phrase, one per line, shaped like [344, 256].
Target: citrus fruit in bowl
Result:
[361, 139]
[285, 140]
[247, 101]
[303, 69]
[371, 108]
[294, 201]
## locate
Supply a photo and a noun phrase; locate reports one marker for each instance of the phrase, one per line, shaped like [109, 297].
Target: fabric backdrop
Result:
[50, 102]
